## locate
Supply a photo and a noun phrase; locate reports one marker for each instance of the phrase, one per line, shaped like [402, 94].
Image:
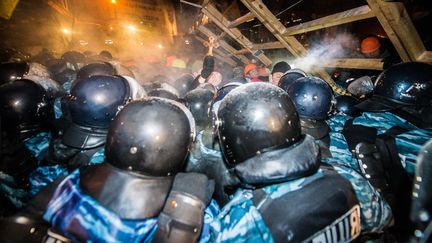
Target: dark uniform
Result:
[285, 193]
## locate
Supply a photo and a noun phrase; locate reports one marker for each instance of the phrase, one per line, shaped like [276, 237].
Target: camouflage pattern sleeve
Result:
[375, 213]
[240, 221]
[338, 145]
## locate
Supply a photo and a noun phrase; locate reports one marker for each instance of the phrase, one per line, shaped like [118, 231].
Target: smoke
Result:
[342, 45]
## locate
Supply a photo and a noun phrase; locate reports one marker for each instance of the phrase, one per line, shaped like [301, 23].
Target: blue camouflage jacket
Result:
[82, 218]
[44, 175]
[407, 143]
[241, 221]
[376, 214]
[38, 146]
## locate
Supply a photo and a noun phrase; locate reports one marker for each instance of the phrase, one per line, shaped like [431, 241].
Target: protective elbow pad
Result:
[22, 228]
[182, 217]
[371, 165]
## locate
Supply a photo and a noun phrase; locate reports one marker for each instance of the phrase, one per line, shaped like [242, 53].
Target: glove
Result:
[355, 134]
[208, 66]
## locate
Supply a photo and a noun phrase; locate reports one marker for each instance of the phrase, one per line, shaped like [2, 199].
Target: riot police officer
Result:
[279, 169]
[314, 101]
[26, 114]
[386, 138]
[139, 194]
[146, 148]
[92, 105]
[204, 157]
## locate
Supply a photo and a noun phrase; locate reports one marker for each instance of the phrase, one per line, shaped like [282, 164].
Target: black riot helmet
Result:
[184, 84]
[94, 69]
[11, 71]
[24, 107]
[208, 86]
[346, 105]
[255, 118]
[106, 54]
[198, 101]
[220, 95]
[96, 100]
[163, 93]
[404, 84]
[151, 136]
[312, 97]
[73, 57]
[290, 76]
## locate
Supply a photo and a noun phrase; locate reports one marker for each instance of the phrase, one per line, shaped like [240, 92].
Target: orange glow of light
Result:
[131, 28]
[66, 31]
[114, 1]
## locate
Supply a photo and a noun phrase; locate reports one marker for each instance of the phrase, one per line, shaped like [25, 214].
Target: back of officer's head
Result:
[312, 97]
[94, 101]
[151, 137]
[24, 107]
[255, 118]
[404, 89]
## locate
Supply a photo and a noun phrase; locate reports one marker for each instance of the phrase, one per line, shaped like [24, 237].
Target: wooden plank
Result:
[355, 14]
[269, 45]
[425, 57]
[352, 63]
[270, 21]
[240, 20]
[223, 44]
[214, 15]
[263, 46]
[272, 24]
[241, 52]
[397, 24]
[218, 54]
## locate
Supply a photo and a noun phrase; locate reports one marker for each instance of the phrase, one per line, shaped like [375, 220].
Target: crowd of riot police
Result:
[89, 152]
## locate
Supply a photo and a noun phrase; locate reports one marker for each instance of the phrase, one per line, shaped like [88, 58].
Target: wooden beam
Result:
[355, 14]
[241, 52]
[270, 21]
[269, 45]
[425, 57]
[214, 15]
[263, 46]
[397, 24]
[240, 20]
[223, 44]
[218, 54]
[352, 63]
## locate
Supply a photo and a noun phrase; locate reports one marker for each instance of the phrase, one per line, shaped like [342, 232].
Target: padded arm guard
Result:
[182, 217]
[371, 166]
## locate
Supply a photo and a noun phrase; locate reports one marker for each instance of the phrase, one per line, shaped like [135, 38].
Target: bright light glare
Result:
[160, 46]
[66, 31]
[131, 28]
[113, 1]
